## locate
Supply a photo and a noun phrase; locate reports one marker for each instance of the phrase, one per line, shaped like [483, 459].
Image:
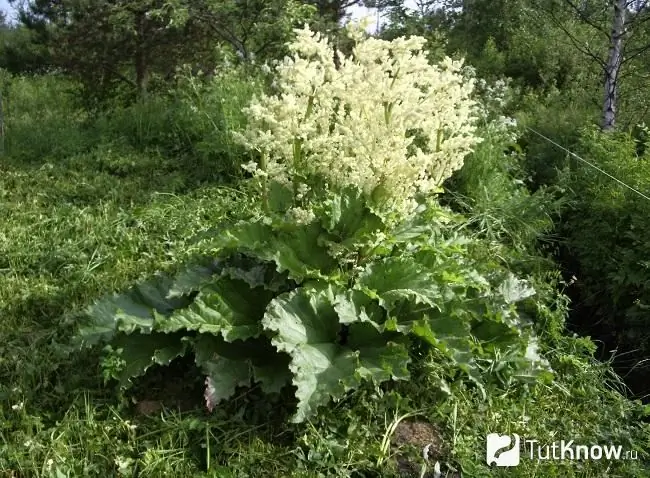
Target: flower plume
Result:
[385, 120]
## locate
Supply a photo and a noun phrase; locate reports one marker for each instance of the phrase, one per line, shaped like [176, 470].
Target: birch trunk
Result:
[613, 65]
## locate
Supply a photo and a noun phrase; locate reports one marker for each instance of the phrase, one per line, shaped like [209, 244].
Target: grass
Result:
[79, 223]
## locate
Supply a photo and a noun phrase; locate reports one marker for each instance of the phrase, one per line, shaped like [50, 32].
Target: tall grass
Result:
[41, 120]
[491, 191]
[189, 126]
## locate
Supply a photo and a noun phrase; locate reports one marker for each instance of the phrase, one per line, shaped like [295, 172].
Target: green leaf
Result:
[307, 327]
[498, 327]
[436, 329]
[223, 378]
[346, 214]
[447, 333]
[515, 290]
[280, 197]
[304, 313]
[379, 360]
[355, 305]
[240, 363]
[394, 279]
[135, 310]
[293, 248]
[194, 276]
[228, 307]
[256, 273]
[141, 351]
[269, 367]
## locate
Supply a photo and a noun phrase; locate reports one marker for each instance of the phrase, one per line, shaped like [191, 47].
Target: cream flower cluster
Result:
[384, 120]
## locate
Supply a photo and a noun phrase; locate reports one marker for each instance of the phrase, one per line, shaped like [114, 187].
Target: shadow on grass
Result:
[123, 177]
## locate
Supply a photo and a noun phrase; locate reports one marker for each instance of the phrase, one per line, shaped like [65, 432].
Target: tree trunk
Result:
[613, 66]
[141, 63]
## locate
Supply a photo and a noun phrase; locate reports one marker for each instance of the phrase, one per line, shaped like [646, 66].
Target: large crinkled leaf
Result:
[280, 197]
[240, 363]
[257, 273]
[237, 266]
[299, 252]
[194, 277]
[452, 337]
[447, 333]
[410, 232]
[228, 307]
[447, 261]
[141, 351]
[395, 279]
[433, 328]
[307, 327]
[302, 315]
[522, 365]
[294, 248]
[425, 226]
[355, 305]
[326, 371]
[134, 310]
[346, 215]
[379, 359]
[515, 290]
[223, 378]
[498, 327]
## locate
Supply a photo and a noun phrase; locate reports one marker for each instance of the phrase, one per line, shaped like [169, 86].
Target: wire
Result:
[588, 163]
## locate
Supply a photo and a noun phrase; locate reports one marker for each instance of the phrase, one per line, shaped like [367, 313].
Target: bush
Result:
[192, 123]
[349, 267]
[607, 235]
[491, 191]
[557, 116]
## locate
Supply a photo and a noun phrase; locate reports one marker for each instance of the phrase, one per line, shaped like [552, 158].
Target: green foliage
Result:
[558, 116]
[138, 44]
[491, 190]
[515, 39]
[191, 125]
[36, 104]
[334, 297]
[607, 233]
[428, 22]
[69, 231]
[256, 30]
[20, 52]
[91, 204]
[187, 131]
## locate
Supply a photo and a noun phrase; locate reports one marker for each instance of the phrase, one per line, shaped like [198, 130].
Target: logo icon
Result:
[495, 453]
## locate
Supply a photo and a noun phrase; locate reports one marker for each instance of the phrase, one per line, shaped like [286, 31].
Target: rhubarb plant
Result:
[350, 261]
[322, 306]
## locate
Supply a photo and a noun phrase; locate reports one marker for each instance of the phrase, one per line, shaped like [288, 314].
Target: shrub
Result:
[491, 191]
[607, 237]
[324, 306]
[193, 123]
[559, 116]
